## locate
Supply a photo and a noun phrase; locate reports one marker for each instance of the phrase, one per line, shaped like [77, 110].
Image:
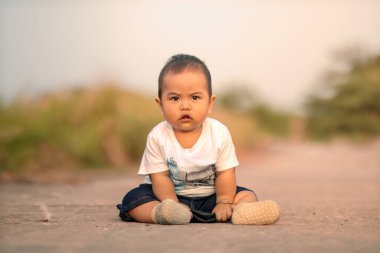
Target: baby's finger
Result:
[217, 216]
[229, 214]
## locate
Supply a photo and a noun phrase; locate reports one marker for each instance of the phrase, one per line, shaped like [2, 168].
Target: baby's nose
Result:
[185, 105]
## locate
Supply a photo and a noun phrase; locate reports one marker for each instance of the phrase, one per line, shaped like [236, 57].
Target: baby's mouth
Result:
[186, 117]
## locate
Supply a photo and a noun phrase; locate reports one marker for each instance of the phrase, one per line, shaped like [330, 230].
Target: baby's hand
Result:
[223, 212]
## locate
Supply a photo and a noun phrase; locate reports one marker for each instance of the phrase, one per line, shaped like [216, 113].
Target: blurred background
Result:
[78, 78]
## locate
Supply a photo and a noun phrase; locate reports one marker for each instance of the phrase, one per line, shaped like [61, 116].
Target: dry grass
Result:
[103, 127]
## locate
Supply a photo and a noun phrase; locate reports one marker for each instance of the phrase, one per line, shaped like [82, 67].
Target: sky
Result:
[278, 49]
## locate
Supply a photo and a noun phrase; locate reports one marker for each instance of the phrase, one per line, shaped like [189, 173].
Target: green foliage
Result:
[238, 98]
[133, 133]
[269, 120]
[274, 122]
[354, 108]
[74, 128]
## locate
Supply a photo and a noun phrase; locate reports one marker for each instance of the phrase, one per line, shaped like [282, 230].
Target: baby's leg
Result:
[167, 212]
[140, 204]
[143, 213]
[245, 197]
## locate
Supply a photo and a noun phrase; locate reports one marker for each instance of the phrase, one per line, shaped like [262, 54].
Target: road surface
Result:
[329, 195]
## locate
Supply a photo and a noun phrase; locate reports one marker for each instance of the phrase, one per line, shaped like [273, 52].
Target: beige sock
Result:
[256, 213]
[169, 212]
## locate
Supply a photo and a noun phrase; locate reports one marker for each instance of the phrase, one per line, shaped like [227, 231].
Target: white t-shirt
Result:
[193, 170]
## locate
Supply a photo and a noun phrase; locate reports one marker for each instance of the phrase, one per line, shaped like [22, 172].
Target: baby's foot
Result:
[256, 213]
[169, 212]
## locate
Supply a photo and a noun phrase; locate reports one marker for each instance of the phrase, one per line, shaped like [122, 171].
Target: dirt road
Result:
[329, 194]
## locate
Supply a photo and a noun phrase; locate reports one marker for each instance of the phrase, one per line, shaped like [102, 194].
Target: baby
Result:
[189, 161]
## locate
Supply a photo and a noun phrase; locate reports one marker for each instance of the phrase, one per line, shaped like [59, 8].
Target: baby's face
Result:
[185, 101]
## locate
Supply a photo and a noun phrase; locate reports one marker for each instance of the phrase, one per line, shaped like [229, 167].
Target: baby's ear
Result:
[158, 101]
[211, 103]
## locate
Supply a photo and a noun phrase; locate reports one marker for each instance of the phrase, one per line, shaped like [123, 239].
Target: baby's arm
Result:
[163, 186]
[225, 186]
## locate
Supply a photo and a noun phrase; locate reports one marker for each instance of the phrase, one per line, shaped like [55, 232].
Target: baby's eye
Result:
[174, 98]
[195, 97]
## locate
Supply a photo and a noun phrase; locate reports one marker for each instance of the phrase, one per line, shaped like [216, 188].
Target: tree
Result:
[353, 107]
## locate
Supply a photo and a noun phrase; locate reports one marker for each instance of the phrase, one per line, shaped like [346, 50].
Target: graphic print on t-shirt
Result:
[190, 178]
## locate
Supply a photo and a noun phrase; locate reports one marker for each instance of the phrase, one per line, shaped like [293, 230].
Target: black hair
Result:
[180, 62]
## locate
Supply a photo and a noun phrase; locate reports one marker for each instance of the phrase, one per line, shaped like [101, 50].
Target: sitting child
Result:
[189, 160]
